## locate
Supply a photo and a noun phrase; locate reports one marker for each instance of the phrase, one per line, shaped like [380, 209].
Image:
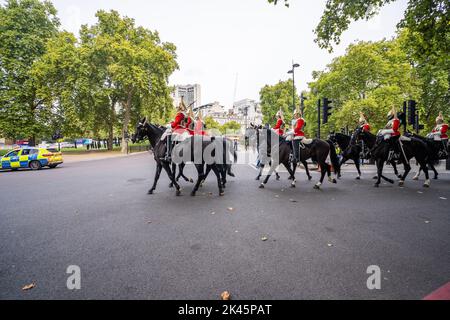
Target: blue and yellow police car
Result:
[29, 157]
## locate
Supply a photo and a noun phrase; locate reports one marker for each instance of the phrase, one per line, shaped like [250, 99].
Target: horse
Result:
[154, 134]
[318, 151]
[380, 150]
[434, 149]
[350, 150]
[254, 138]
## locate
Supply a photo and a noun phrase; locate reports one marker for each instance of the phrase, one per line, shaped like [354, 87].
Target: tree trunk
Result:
[112, 119]
[126, 122]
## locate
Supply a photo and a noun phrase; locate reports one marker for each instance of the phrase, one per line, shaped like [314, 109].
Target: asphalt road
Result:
[130, 245]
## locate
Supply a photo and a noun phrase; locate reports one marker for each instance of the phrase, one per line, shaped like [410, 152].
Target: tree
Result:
[59, 81]
[276, 97]
[132, 68]
[25, 28]
[231, 126]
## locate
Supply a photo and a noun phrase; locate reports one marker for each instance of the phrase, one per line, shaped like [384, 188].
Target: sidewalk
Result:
[71, 158]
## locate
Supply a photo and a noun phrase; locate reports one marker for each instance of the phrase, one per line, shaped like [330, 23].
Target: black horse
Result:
[350, 150]
[318, 151]
[436, 152]
[154, 134]
[380, 152]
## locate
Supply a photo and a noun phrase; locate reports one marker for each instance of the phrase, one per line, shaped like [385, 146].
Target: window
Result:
[34, 151]
[26, 152]
[13, 154]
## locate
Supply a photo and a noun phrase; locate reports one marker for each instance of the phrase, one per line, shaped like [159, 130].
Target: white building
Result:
[249, 110]
[191, 94]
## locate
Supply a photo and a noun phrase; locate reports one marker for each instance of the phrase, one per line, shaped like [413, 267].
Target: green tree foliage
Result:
[132, 66]
[25, 28]
[276, 97]
[230, 126]
[372, 77]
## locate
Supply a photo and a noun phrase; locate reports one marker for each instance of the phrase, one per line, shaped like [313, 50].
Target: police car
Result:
[33, 158]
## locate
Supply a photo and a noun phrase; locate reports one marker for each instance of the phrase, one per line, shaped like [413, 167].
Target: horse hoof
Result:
[376, 185]
[257, 178]
[358, 178]
[425, 185]
[150, 192]
[278, 178]
[415, 178]
[401, 183]
[231, 174]
[178, 193]
[375, 177]
[309, 178]
[221, 194]
[334, 181]
[171, 185]
[261, 186]
[191, 180]
[193, 194]
[316, 187]
[399, 176]
[436, 178]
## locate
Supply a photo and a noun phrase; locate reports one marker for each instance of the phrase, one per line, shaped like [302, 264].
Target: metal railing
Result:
[138, 148]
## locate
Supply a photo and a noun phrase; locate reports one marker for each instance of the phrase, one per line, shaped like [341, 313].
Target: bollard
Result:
[447, 166]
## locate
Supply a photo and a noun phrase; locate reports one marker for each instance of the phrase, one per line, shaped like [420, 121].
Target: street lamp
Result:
[292, 71]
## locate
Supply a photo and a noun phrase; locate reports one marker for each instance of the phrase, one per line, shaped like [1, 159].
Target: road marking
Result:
[443, 293]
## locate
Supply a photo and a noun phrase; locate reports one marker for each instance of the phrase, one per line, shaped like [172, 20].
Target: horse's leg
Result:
[305, 164]
[277, 175]
[417, 176]
[184, 176]
[380, 164]
[394, 165]
[407, 167]
[201, 177]
[291, 173]
[166, 167]
[271, 170]
[157, 175]
[427, 175]
[294, 169]
[341, 163]
[219, 180]
[174, 171]
[358, 167]
[223, 170]
[330, 179]
[436, 174]
[323, 171]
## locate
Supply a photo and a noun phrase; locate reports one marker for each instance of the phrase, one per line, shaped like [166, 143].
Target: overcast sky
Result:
[219, 39]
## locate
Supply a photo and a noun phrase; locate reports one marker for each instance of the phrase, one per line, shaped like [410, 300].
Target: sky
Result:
[232, 48]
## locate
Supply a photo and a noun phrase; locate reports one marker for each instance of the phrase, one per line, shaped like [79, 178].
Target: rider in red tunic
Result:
[190, 124]
[199, 125]
[363, 124]
[298, 125]
[440, 131]
[391, 132]
[279, 127]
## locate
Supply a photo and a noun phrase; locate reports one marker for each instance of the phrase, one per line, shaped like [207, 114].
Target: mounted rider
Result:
[363, 123]
[439, 133]
[279, 127]
[391, 132]
[298, 125]
[199, 125]
[190, 122]
[176, 130]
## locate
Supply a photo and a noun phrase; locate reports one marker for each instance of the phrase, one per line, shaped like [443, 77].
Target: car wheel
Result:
[53, 166]
[35, 165]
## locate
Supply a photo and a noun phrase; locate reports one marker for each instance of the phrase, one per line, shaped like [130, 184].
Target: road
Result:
[130, 245]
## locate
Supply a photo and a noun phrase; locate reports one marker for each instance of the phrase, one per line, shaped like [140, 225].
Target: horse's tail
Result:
[334, 158]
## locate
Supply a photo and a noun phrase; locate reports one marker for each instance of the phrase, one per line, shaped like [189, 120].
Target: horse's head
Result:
[141, 131]
[332, 137]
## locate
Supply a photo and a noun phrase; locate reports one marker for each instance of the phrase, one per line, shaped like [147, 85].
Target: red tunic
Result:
[278, 128]
[299, 126]
[177, 124]
[365, 127]
[396, 127]
[443, 128]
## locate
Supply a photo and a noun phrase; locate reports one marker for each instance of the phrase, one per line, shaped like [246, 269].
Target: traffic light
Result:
[412, 106]
[302, 102]
[327, 107]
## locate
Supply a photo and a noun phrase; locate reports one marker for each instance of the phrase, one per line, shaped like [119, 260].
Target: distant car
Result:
[33, 158]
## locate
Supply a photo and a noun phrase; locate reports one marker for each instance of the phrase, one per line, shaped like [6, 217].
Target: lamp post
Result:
[292, 71]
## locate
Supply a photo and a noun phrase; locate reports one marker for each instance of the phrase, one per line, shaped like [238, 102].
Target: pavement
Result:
[90, 156]
[276, 243]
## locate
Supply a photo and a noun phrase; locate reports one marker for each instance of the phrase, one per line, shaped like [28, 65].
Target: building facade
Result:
[191, 93]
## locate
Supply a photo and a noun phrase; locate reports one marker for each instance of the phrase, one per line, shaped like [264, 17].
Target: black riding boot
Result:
[296, 150]
[169, 146]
